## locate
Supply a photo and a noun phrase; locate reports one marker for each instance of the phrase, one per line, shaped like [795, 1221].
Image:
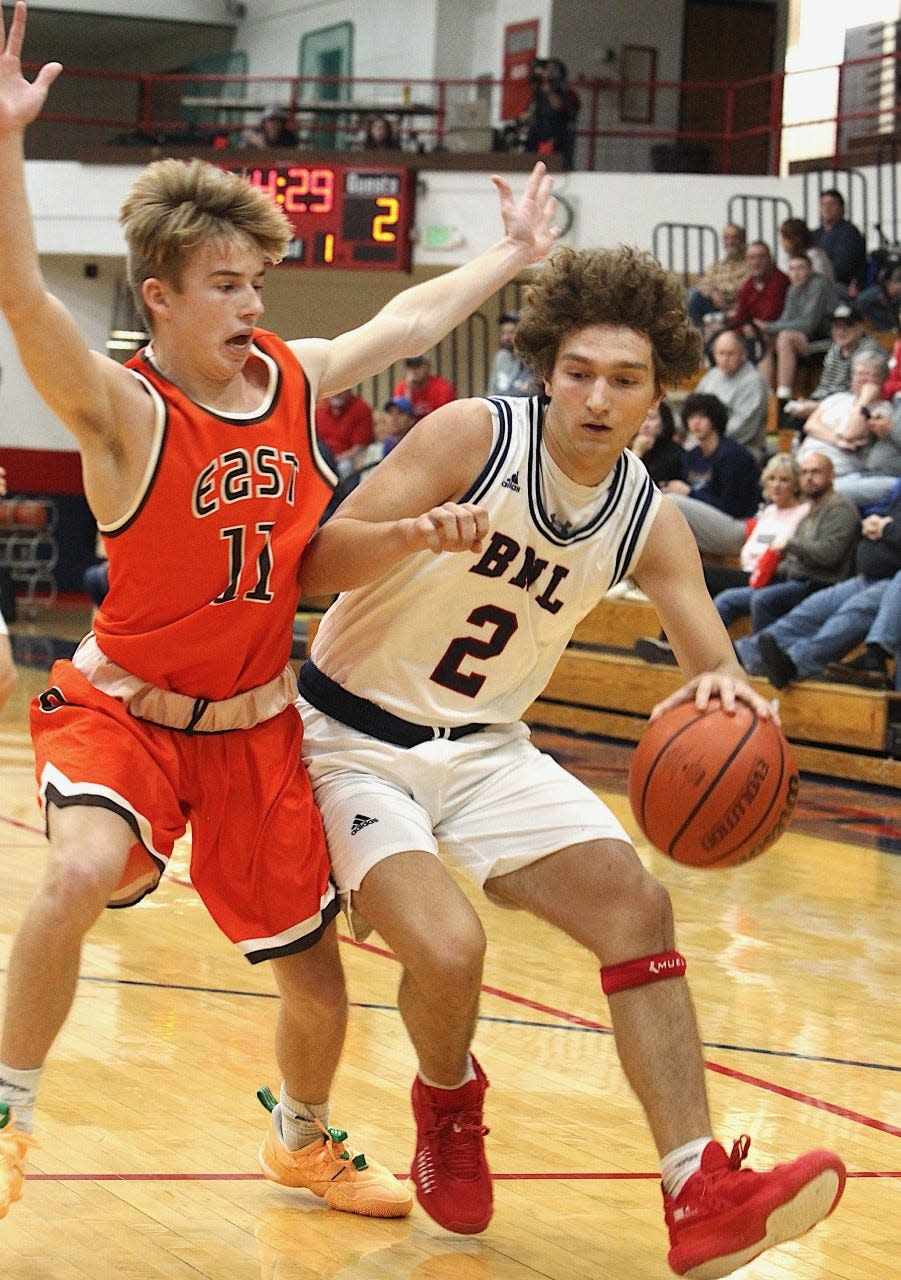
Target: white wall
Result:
[390, 37]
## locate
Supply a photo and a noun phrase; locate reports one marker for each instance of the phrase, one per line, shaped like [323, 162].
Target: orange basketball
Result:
[712, 789]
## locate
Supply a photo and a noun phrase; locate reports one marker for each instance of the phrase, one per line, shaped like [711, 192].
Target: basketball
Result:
[710, 789]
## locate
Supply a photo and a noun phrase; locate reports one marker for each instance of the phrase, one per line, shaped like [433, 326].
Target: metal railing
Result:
[747, 125]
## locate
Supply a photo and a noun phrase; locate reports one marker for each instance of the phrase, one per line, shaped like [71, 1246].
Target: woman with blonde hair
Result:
[730, 586]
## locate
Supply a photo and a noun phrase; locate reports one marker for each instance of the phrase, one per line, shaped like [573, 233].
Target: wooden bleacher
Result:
[601, 689]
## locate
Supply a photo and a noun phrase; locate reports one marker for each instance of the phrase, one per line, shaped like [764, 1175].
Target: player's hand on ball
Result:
[454, 526]
[729, 689]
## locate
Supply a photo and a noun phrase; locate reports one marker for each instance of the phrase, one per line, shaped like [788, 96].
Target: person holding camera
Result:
[550, 119]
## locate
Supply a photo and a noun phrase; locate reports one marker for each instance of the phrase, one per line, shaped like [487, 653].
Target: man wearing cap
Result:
[273, 130]
[401, 416]
[388, 428]
[424, 389]
[848, 338]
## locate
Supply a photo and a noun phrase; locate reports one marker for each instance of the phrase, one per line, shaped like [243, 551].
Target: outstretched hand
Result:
[20, 99]
[453, 526]
[528, 223]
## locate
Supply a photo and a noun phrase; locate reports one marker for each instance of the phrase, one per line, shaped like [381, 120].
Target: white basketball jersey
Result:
[459, 637]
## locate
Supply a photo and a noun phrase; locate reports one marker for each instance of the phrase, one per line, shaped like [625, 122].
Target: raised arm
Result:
[418, 317]
[97, 399]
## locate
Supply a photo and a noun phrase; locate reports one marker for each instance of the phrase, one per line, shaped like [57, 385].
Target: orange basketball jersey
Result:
[203, 568]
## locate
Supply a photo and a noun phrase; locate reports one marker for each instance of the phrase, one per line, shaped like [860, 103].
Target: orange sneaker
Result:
[14, 1144]
[329, 1169]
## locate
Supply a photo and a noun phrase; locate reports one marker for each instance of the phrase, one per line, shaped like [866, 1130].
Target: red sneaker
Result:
[450, 1172]
[725, 1215]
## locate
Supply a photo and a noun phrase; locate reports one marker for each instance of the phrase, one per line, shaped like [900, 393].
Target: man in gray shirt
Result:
[509, 375]
[736, 382]
[805, 318]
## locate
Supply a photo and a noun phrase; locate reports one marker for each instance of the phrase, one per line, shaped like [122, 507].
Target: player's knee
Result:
[453, 962]
[76, 888]
[643, 905]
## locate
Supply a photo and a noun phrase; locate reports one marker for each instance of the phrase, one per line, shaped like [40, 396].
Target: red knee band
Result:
[635, 973]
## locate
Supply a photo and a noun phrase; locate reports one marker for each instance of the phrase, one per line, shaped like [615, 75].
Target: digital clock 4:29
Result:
[352, 216]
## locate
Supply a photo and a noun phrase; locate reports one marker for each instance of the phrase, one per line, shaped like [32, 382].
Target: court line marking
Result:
[495, 1177]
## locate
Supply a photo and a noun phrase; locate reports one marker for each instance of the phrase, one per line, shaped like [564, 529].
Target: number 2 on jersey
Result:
[448, 673]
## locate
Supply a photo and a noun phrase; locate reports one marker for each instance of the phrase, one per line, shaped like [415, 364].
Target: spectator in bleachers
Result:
[549, 120]
[878, 470]
[892, 385]
[717, 289]
[380, 135]
[738, 383]
[840, 426]
[398, 417]
[770, 530]
[819, 553]
[273, 130]
[389, 426]
[510, 376]
[842, 243]
[848, 338]
[797, 238]
[761, 297]
[809, 640]
[344, 422]
[880, 302]
[720, 486]
[805, 318]
[425, 389]
[656, 444]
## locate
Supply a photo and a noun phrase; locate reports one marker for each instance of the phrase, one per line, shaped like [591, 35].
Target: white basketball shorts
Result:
[490, 802]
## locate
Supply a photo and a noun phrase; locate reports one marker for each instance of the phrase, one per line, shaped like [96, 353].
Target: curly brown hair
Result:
[177, 205]
[622, 286]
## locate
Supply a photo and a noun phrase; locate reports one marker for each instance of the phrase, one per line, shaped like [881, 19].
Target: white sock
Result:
[678, 1166]
[783, 393]
[19, 1090]
[470, 1075]
[299, 1127]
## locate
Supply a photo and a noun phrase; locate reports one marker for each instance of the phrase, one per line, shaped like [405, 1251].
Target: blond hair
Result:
[177, 205]
[785, 463]
[623, 286]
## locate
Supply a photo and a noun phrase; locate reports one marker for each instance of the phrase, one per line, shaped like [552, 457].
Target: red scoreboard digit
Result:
[356, 216]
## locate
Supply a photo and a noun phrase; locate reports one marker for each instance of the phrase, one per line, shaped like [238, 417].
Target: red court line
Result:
[496, 1177]
[806, 1098]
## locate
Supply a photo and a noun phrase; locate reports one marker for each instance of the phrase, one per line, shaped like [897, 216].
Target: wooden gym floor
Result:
[149, 1126]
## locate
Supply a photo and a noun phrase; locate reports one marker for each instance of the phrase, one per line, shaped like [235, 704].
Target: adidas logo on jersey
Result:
[359, 822]
[512, 482]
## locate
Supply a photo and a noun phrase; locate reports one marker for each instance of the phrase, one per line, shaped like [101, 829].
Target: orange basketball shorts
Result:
[258, 853]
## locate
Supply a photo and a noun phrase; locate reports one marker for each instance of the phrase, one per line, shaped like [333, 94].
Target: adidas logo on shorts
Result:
[359, 822]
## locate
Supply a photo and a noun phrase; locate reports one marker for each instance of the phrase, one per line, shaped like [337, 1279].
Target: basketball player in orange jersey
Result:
[200, 465]
[415, 744]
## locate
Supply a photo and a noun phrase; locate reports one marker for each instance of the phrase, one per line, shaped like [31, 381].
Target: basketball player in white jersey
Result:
[449, 626]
